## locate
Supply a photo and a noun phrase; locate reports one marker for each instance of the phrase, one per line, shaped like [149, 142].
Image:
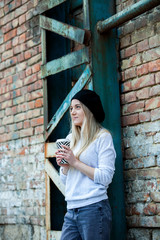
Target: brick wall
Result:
[140, 105]
[22, 198]
[22, 185]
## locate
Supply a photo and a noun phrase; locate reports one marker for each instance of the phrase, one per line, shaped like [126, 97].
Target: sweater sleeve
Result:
[106, 160]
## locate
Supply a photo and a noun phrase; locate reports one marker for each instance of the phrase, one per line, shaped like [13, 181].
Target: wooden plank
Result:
[45, 95]
[55, 235]
[68, 61]
[89, 85]
[50, 149]
[53, 174]
[63, 29]
[66, 103]
[48, 208]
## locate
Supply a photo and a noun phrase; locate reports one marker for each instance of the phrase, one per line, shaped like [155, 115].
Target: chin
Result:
[77, 124]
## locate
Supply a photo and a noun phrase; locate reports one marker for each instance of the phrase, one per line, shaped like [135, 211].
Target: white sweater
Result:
[80, 190]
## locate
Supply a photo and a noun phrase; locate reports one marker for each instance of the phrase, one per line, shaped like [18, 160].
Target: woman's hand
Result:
[67, 154]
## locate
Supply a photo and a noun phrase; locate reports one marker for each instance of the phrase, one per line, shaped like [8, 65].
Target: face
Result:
[77, 113]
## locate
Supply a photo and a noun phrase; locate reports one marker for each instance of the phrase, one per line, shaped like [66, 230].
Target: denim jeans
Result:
[92, 222]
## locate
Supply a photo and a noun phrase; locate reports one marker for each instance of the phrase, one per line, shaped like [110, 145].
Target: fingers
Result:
[65, 147]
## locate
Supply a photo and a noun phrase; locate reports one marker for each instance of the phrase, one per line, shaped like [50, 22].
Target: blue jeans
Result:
[92, 222]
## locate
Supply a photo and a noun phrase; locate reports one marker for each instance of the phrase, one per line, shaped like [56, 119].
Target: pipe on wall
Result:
[127, 14]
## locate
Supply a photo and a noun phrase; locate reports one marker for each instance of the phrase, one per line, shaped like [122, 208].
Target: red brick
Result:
[155, 90]
[144, 116]
[39, 130]
[26, 132]
[154, 41]
[130, 73]
[15, 23]
[10, 35]
[7, 54]
[26, 124]
[157, 77]
[19, 125]
[144, 81]
[154, 66]
[22, 38]
[20, 57]
[151, 55]
[27, 55]
[155, 114]
[38, 84]
[20, 117]
[143, 69]
[130, 51]
[37, 121]
[36, 67]
[8, 45]
[21, 29]
[152, 103]
[31, 88]
[126, 86]
[28, 71]
[22, 19]
[31, 105]
[22, 74]
[20, 10]
[39, 103]
[133, 107]
[134, 60]
[19, 48]
[130, 97]
[143, 45]
[14, 110]
[130, 120]
[15, 41]
[143, 93]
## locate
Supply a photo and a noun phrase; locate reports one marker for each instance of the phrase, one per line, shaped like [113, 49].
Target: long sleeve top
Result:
[80, 190]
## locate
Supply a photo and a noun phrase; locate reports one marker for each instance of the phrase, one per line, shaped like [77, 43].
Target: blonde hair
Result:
[87, 133]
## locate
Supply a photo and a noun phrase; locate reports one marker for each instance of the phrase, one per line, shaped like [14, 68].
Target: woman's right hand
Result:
[58, 160]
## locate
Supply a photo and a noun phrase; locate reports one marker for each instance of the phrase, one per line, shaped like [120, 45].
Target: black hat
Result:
[91, 100]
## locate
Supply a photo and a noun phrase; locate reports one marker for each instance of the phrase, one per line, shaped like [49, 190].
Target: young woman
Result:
[90, 169]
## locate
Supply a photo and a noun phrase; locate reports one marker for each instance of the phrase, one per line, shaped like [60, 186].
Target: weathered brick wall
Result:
[140, 104]
[22, 185]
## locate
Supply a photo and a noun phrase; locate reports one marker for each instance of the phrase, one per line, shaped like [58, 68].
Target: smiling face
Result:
[77, 113]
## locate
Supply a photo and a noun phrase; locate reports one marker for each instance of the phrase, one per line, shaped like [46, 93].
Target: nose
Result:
[73, 111]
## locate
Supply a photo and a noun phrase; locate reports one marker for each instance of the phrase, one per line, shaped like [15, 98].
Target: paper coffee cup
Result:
[59, 143]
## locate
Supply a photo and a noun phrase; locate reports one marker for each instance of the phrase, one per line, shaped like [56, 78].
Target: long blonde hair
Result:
[87, 133]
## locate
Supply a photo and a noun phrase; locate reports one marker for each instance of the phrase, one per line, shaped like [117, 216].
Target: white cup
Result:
[59, 143]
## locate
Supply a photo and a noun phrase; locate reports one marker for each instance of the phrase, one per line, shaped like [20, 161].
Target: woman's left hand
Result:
[68, 155]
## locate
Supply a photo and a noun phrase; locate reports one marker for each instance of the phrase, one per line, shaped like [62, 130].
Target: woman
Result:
[89, 171]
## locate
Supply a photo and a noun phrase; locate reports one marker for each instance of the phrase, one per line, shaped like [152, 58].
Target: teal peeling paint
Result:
[68, 61]
[63, 29]
[84, 78]
[104, 65]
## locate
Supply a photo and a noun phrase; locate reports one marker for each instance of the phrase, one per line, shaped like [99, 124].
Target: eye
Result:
[71, 108]
[78, 106]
